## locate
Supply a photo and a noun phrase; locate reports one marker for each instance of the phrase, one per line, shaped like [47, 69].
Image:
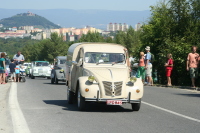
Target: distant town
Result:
[69, 34]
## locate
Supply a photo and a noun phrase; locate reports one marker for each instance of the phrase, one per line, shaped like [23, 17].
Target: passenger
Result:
[141, 68]
[169, 67]
[2, 69]
[12, 70]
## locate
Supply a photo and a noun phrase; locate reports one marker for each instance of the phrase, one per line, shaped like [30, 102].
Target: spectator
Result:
[2, 69]
[12, 70]
[141, 69]
[18, 58]
[169, 67]
[191, 65]
[17, 71]
[148, 66]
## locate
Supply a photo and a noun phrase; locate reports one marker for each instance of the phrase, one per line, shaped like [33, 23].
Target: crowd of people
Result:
[15, 67]
[145, 67]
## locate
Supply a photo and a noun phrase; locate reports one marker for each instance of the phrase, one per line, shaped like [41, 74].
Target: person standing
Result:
[2, 69]
[12, 70]
[18, 58]
[148, 66]
[169, 67]
[192, 64]
[17, 72]
[141, 68]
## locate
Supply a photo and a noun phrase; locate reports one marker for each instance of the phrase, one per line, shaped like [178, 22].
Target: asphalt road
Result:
[164, 110]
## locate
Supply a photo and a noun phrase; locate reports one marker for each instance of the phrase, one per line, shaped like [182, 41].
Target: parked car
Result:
[26, 64]
[58, 71]
[99, 72]
[40, 69]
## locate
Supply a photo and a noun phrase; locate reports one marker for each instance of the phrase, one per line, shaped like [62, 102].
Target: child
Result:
[12, 70]
[141, 68]
[169, 67]
[22, 70]
[17, 71]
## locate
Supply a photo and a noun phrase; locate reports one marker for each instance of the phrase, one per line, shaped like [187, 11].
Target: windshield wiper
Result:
[117, 62]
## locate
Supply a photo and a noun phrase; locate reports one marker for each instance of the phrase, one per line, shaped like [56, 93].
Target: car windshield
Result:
[42, 63]
[104, 58]
[62, 61]
[7, 61]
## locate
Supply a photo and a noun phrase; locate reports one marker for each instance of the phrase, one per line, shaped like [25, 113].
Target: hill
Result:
[81, 18]
[28, 19]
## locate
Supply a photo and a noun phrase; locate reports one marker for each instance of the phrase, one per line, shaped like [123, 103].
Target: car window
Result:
[42, 64]
[62, 61]
[104, 58]
[7, 61]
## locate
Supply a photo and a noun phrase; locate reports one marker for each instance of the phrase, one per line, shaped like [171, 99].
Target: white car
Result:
[40, 69]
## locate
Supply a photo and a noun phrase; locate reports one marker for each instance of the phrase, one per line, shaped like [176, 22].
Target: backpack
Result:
[152, 58]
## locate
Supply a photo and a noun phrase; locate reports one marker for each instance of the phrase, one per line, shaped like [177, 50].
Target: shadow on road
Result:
[190, 95]
[90, 107]
[55, 84]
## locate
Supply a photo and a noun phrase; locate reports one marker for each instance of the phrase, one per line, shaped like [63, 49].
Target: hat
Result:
[147, 48]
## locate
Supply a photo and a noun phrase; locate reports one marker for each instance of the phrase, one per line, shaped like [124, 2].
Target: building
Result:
[117, 27]
[138, 26]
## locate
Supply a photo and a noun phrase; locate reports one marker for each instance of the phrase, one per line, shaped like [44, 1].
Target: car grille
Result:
[108, 88]
[42, 71]
[118, 89]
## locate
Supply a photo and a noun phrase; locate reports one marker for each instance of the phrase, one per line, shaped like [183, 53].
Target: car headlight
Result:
[133, 79]
[91, 78]
[61, 70]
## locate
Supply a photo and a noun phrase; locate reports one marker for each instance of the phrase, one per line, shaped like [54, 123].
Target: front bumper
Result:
[124, 100]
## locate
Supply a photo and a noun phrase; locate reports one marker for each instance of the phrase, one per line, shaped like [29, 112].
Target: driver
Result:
[18, 58]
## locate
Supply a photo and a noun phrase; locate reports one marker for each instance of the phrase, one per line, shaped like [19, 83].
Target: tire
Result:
[56, 79]
[136, 106]
[6, 79]
[23, 79]
[70, 97]
[52, 80]
[32, 77]
[80, 101]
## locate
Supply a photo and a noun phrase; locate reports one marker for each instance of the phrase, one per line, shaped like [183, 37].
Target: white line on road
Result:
[19, 123]
[172, 112]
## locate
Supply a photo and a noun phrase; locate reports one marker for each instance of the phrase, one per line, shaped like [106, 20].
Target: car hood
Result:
[109, 74]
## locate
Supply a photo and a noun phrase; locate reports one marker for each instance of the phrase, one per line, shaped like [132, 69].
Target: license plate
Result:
[41, 74]
[114, 102]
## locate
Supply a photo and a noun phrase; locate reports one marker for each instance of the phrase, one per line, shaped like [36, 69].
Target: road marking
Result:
[19, 123]
[172, 112]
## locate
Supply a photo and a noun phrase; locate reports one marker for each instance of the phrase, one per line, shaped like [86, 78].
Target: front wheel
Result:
[6, 79]
[32, 77]
[81, 101]
[56, 79]
[23, 79]
[136, 106]
[70, 97]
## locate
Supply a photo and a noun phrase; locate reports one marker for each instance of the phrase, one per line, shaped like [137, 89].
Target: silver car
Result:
[40, 69]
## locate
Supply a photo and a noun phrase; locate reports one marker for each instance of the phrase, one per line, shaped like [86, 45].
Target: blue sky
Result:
[133, 5]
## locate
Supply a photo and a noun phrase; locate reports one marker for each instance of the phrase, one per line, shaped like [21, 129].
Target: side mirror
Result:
[74, 63]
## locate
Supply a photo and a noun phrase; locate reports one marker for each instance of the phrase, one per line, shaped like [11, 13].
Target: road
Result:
[167, 110]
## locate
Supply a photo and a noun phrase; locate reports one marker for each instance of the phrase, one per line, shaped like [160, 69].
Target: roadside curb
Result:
[179, 87]
[5, 125]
